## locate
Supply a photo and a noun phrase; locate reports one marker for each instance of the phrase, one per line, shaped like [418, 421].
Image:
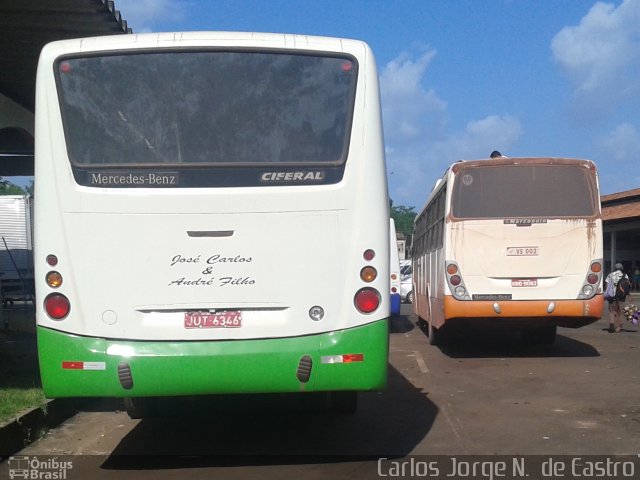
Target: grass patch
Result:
[15, 400]
[20, 387]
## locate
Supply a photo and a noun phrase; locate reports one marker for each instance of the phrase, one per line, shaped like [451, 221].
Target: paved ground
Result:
[488, 395]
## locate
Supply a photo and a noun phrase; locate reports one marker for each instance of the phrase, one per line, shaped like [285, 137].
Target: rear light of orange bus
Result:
[57, 306]
[367, 300]
[593, 279]
[594, 275]
[456, 284]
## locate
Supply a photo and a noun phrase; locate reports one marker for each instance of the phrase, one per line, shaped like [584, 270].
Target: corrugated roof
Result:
[27, 25]
[623, 211]
[621, 206]
[627, 195]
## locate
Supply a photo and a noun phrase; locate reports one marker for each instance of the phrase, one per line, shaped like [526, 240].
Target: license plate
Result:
[522, 251]
[232, 319]
[524, 282]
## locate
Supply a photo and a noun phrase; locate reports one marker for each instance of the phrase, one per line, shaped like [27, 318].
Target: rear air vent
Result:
[124, 375]
[304, 369]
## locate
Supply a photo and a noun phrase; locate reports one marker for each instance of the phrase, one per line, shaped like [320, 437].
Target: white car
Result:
[406, 288]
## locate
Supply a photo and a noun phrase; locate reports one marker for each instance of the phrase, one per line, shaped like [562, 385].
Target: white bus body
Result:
[176, 176]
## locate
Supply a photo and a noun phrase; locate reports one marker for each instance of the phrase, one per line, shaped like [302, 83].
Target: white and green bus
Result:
[211, 217]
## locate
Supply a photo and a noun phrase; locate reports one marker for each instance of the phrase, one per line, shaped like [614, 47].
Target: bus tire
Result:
[410, 297]
[540, 335]
[343, 402]
[138, 407]
[433, 334]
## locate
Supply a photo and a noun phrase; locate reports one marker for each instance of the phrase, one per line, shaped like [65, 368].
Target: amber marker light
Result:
[368, 274]
[54, 279]
[452, 269]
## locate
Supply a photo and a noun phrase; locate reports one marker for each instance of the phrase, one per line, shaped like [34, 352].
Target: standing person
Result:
[616, 304]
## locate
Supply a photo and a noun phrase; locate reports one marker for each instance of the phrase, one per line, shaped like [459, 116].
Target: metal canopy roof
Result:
[27, 25]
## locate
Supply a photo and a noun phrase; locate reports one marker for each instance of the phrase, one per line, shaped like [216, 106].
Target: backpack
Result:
[623, 287]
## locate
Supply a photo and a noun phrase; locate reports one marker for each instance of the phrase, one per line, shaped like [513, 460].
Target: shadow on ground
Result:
[267, 429]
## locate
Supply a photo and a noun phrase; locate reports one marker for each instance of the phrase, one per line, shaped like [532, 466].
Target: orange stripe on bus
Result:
[523, 308]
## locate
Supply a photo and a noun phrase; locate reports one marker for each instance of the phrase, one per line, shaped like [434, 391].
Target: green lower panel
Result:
[78, 366]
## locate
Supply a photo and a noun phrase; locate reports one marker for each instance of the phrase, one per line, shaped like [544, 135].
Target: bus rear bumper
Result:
[79, 366]
[564, 313]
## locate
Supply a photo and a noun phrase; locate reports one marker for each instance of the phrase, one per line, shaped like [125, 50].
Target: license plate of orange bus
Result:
[524, 282]
[522, 251]
[230, 319]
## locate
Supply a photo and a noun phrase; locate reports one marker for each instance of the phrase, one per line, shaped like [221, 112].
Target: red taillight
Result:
[394, 290]
[455, 280]
[52, 260]
[57, 306]
[367, 300]
[369, 255]
[592, 278]
[353, 357]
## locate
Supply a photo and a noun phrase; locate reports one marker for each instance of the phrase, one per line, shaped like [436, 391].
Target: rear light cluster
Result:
[394, 277]
[594, 277]
[454, 278]
[56, 304]
[367, 299]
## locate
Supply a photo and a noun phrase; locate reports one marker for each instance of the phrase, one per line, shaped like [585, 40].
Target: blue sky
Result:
[460, 78]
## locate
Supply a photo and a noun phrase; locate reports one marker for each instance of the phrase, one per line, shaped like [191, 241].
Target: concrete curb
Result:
[33, 424]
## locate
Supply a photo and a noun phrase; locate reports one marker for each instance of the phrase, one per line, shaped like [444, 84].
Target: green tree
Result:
[403, 217]
[8, 188]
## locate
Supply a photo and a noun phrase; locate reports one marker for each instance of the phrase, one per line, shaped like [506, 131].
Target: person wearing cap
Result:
[616, 307]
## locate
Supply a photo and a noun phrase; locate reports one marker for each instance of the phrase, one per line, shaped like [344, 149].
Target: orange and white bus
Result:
[510, 241]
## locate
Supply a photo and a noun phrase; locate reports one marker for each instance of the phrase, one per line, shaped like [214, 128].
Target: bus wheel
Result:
[433, 334]
[438, 336]
[540, 335]
[343, 402]
[138, 407]
[410, 297]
